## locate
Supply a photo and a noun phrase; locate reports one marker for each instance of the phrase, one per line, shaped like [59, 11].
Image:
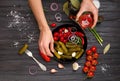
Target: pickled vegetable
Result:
[56, 54]
[74, 49]
[79, 54]
[65, 50]
[66, 57]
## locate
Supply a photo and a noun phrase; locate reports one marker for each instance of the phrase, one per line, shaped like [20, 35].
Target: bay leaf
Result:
[65, 8]
[106, 49]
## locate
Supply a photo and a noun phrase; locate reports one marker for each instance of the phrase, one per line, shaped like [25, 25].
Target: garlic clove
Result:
[60, 66]
[75, 66]
[53, 71]
[73, 54]
[60, 53]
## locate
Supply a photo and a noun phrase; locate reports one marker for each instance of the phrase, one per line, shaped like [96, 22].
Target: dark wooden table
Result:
[18, 26]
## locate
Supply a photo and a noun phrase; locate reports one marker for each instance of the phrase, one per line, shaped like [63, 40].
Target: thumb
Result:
[78, 15]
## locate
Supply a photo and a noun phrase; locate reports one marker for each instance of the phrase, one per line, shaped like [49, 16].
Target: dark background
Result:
[18, 26]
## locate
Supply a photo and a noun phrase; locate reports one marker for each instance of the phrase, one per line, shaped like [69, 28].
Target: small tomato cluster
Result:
[91, 61]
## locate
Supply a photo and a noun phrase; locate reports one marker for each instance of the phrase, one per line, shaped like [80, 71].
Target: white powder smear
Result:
[21, 23]
[104, 68]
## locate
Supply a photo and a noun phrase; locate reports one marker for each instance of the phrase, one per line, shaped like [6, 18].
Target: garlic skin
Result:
[75, 66]
[53, 71]
[60, 66]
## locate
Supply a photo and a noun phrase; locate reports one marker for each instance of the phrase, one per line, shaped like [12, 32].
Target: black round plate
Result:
[78, 29]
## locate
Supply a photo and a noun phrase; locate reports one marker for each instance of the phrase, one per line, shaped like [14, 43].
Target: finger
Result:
[42, 50]
[47, 50]
[79, 14]
[95, 17]
[52, 46]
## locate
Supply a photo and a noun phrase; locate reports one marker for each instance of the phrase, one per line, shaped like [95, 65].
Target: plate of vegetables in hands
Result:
[70, 43]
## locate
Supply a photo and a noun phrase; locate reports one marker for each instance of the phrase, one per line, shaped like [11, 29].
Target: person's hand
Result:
[46, 42]
[87, 5]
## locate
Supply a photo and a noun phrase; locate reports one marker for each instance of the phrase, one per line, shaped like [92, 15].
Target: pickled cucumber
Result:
[56, 54]
[66, 57]
[70, 45]
[79, 53]
[65, 50]
[74, 49]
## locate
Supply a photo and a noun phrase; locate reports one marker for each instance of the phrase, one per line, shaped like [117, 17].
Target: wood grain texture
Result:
[18, 26]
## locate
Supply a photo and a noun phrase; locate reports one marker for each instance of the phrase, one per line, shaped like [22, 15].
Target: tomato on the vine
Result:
[94, 62]
[90, 74]
[89, 58]
[89, 52]
[88, 63]
[85, 69]
[92, 68]
[93, 49]
[95, 55]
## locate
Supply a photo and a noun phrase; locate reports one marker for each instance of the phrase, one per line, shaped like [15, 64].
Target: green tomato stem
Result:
[96, 36]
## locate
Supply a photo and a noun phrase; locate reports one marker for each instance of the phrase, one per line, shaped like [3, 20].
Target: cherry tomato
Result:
[92, 68]
[90, 74]
[93, 49]
[56, 34]
[88, 63]
[94, 62]
[60, 35]
[85, 69]
[60, 30]
[95, 55]
[89, 58]
[64, 41]
[89, 52]
[61, 39]
[55, 38]
[53, 25]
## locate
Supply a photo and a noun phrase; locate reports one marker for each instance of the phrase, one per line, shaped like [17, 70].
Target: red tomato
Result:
[95, 55]
[85, 69]
[94, 62]
[89, 52]
[61, 39]
[86, 20]
[93, 49]
[64, 41]
[60, 30]
[90, 74]
[89, 58]
[92, 68]
[55, 38]
[56, 34]
[88, 63]
[53, 25]
[60, 35]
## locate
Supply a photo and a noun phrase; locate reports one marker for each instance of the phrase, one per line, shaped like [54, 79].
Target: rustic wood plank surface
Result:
[18, 26]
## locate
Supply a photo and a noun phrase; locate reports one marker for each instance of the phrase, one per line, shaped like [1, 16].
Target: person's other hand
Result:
[46, 42]
[87, 5]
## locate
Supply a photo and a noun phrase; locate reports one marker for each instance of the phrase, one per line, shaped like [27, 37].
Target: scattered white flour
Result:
[31, 37]
[16, 43]
[104, 67]
[17, 21]
[21, 24]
